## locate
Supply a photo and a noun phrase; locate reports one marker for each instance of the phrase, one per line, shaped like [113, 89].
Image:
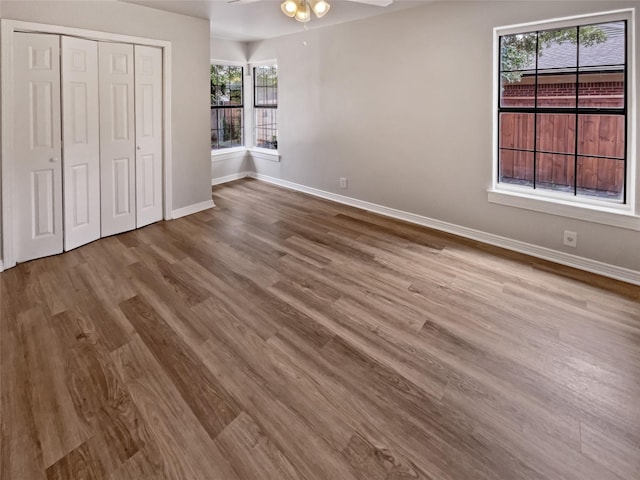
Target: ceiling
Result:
[263, 19]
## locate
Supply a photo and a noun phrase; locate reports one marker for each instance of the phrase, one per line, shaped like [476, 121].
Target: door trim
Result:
[7, 29]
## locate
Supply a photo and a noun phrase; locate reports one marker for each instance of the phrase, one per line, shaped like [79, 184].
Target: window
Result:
[226, 107]
[563, 109]
[265, 102]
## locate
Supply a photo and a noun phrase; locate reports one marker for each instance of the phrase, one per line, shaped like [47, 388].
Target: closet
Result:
[88, 141]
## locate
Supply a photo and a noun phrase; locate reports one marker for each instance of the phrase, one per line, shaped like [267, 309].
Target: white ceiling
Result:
[263, 19]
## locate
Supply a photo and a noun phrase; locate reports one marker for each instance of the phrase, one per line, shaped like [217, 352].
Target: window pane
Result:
[217, 95]
[516, 130]
[602, 44]
[266, 85]
[558, 48]
[601, 90]
[601, 135]
[516, 167]
[233, 127]
[272, 95]
[214, 128]
[557, 90]
[517, 89]
[267, 76]
[215, 137]
[601, 177]
[556, 133]
[261, 95]
[555, 172]
[267, 128]
[226, 127]
[235, 95]
[226, 85]
[518, 52]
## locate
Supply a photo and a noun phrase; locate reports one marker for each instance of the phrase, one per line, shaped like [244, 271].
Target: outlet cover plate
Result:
[570, 238]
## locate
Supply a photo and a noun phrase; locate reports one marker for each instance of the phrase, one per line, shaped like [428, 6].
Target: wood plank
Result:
[378, 463]
[617, 454]
[60, 426]
[209, 401]
[254, 454]
[184, 448]
[101, 401]
[78, 464]
[20, 447]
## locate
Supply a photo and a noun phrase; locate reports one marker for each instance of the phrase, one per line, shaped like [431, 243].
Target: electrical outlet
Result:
[570, 239]
[343, 182]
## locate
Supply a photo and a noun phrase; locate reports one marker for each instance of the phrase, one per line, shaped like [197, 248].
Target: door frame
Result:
[7, 30]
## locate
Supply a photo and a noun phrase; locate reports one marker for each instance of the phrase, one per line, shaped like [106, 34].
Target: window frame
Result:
[237, 148]
[561, 203]
[255, 106]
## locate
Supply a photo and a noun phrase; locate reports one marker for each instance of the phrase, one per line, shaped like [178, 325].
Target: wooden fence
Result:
[597, 135]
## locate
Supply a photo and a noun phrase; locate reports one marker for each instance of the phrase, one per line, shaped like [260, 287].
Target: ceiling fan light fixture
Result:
[289, 8]
[320, 8]
[303, 13]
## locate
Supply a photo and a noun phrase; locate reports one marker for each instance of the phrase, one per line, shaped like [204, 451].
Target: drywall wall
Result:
[228, 50]
[228, 166]
[401, 105]
[190, 65]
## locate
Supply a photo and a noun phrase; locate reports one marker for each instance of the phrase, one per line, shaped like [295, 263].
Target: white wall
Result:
[228, 50]
[401, 104]
[190, 67]
[230, 165]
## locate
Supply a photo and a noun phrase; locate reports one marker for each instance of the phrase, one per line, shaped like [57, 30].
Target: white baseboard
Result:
[229, 178]
[191, 209]
[1, 266]
[582, 263]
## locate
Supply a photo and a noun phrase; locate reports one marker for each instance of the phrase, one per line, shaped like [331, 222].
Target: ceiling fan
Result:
[301, 9]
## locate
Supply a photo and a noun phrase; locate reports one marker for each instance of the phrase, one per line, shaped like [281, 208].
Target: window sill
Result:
[265, 154]
[228, 154]
[616, 217]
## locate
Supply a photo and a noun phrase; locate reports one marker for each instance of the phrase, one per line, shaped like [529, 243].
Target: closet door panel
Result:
[81, 140]
[148, 93]
[37, 146]
[117, 138]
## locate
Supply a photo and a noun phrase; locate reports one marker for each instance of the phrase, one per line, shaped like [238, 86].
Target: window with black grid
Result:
[265, 98]
[227, 113]
[562, 110]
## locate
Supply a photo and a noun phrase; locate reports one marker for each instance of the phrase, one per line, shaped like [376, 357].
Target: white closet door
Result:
[148, 92]
[38, 166]
[117, 147]
[81, 141]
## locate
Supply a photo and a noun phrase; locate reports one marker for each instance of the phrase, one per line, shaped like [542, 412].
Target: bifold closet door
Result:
[117, 138]
[37, 180]
[81, 141]
[148, 93]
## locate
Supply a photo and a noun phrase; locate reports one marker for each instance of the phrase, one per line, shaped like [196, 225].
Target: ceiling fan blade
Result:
[379, 3]
[242, 1]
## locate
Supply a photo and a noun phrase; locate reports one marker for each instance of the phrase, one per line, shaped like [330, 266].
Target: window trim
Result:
[558, 203]
[232, 151]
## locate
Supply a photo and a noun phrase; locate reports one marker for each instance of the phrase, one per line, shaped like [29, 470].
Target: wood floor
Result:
[281, 337]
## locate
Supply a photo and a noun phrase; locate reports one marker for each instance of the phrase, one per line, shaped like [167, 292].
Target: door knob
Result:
[53, 159]
[138, 147]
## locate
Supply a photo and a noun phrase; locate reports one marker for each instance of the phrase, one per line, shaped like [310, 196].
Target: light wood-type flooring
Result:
[280, 336]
